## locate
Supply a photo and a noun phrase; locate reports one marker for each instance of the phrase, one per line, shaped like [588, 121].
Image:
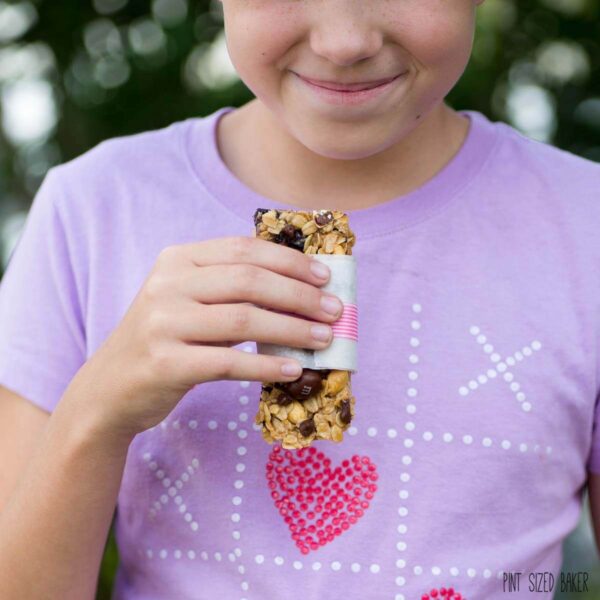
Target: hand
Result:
[199, 300]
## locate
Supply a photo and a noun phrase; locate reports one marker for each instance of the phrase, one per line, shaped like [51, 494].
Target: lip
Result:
[348, 87]
[353, 97]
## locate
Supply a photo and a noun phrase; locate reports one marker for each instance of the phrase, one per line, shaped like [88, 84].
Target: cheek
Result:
[259, 33]
[438, 38]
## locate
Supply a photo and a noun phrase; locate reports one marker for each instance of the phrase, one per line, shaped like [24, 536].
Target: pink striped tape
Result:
[345, 327]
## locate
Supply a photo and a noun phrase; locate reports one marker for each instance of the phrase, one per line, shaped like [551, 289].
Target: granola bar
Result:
[320, 404]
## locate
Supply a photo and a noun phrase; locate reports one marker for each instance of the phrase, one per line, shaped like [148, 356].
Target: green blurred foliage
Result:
[118, 67]
[554, 44]
[109, 567]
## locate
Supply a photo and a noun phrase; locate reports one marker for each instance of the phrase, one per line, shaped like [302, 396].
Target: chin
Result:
[361, 149]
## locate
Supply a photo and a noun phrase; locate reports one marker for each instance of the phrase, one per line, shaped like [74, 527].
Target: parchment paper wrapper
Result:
[342, 352]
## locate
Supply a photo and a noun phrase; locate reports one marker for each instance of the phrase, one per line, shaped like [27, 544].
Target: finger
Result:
[256, 251]
[202, 364]
[242, 322]
[246, 282]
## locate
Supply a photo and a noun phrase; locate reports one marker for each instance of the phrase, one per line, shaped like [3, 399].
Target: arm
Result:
[594, 495]
[22, 425]
[59, 514]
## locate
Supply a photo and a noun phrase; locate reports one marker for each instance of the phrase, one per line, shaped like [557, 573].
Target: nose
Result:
[344, 33]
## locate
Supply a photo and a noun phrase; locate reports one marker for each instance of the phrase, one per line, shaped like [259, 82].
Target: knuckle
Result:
[241, 247]
[168, 254]
[160, 360]
[156, 323]
[239, 318]
[303, 296]
[246, 279]
[155, 286]
[224, 366]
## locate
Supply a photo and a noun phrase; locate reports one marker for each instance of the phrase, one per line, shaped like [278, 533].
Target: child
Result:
[132, 303]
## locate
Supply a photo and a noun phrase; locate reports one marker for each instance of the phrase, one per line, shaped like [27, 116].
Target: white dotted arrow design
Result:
[173, 489]
[501, 366]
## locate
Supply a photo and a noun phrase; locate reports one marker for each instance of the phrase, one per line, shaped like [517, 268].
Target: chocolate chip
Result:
[298, 242]
[323, 218]
[289, 231]
[283, 400]
[307, 427]
[345, 413]
[308, 383]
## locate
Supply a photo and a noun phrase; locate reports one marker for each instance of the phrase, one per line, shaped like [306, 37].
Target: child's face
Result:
[350, 41]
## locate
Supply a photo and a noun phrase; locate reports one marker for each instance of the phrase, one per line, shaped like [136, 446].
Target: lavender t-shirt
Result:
[476, 412]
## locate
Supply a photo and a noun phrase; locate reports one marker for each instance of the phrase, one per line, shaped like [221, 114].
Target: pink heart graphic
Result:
[443, 594]
[317, 502]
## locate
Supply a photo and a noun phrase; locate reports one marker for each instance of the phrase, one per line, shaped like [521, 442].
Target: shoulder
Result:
[121, 176]
[536, 180]
[125, 157]
[120, 184]
[544, 190]
[534, 159]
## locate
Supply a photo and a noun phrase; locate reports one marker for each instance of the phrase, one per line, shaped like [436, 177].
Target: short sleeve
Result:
[42, 338]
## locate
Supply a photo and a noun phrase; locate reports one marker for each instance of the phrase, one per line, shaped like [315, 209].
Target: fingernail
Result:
[319, 269]
[291, 369]
[320, 333]
[331, 305]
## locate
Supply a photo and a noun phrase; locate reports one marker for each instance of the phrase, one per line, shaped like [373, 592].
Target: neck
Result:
[256, 147]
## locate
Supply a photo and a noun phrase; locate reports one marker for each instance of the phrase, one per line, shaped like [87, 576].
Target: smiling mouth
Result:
[334, 87]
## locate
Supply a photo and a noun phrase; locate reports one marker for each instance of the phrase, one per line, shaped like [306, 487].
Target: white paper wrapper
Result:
[342, 352]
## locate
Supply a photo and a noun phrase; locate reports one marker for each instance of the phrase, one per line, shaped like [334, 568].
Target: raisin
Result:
[283, 400]
[258, 213]
[307, 427]
[289, 232]
[345, 413]
[296, 241]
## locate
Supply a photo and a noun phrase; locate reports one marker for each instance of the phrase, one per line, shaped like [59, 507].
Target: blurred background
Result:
[75, 73]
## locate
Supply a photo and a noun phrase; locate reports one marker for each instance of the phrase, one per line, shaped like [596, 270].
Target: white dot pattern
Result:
[172, 491]
[335, 565]
[408, 442]
[237, 428]
[173, 487]
[485, 442]
[501, 367]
